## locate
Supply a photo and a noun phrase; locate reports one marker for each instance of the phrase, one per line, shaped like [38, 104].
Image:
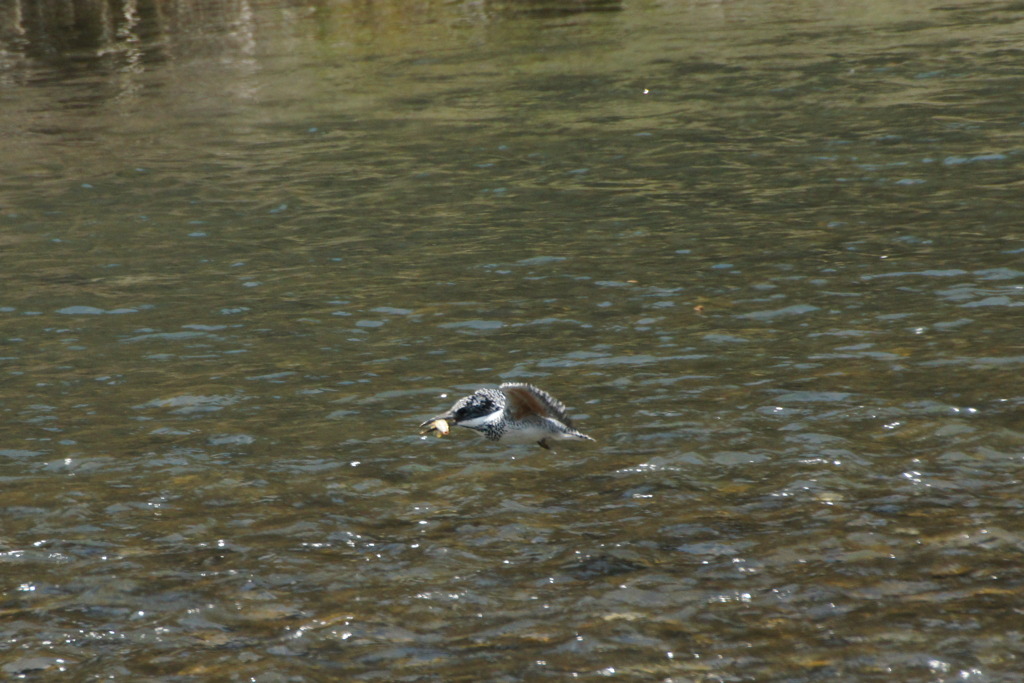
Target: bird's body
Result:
[512, 413]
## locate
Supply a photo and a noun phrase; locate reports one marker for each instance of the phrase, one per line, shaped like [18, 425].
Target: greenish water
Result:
[769, 256]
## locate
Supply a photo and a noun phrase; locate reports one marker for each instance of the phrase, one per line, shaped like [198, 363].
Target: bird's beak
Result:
[437, 426]
[447, 417]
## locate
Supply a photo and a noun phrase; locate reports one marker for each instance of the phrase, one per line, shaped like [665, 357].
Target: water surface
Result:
[770, 256]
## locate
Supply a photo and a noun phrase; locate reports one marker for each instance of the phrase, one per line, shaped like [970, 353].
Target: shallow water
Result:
[769, 256]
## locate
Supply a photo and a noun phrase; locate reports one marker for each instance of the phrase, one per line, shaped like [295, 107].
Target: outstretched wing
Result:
[524, 399]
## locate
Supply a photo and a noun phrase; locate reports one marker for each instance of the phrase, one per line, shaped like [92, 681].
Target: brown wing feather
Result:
[525, 399]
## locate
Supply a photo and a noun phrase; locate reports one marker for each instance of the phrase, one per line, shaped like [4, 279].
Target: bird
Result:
[514, 413]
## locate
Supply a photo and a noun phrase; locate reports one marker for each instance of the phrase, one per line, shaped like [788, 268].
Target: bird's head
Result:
[477, 408]
[476, 411]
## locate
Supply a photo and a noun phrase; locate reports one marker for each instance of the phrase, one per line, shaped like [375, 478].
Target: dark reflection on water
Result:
[771, 261]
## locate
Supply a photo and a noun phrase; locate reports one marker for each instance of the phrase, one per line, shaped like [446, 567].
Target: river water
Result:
[769, 254]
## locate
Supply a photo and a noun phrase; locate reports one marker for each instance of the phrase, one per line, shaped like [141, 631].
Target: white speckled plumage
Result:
[515, 412]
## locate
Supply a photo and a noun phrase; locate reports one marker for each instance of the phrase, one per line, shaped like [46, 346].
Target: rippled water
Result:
[770, 256]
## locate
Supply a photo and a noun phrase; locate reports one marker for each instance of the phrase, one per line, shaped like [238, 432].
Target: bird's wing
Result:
[524, 399]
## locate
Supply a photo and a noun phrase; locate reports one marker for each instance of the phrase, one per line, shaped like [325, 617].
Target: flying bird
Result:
[513, 413]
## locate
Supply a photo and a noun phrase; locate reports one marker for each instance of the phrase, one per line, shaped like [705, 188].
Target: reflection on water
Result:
[769, 259]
